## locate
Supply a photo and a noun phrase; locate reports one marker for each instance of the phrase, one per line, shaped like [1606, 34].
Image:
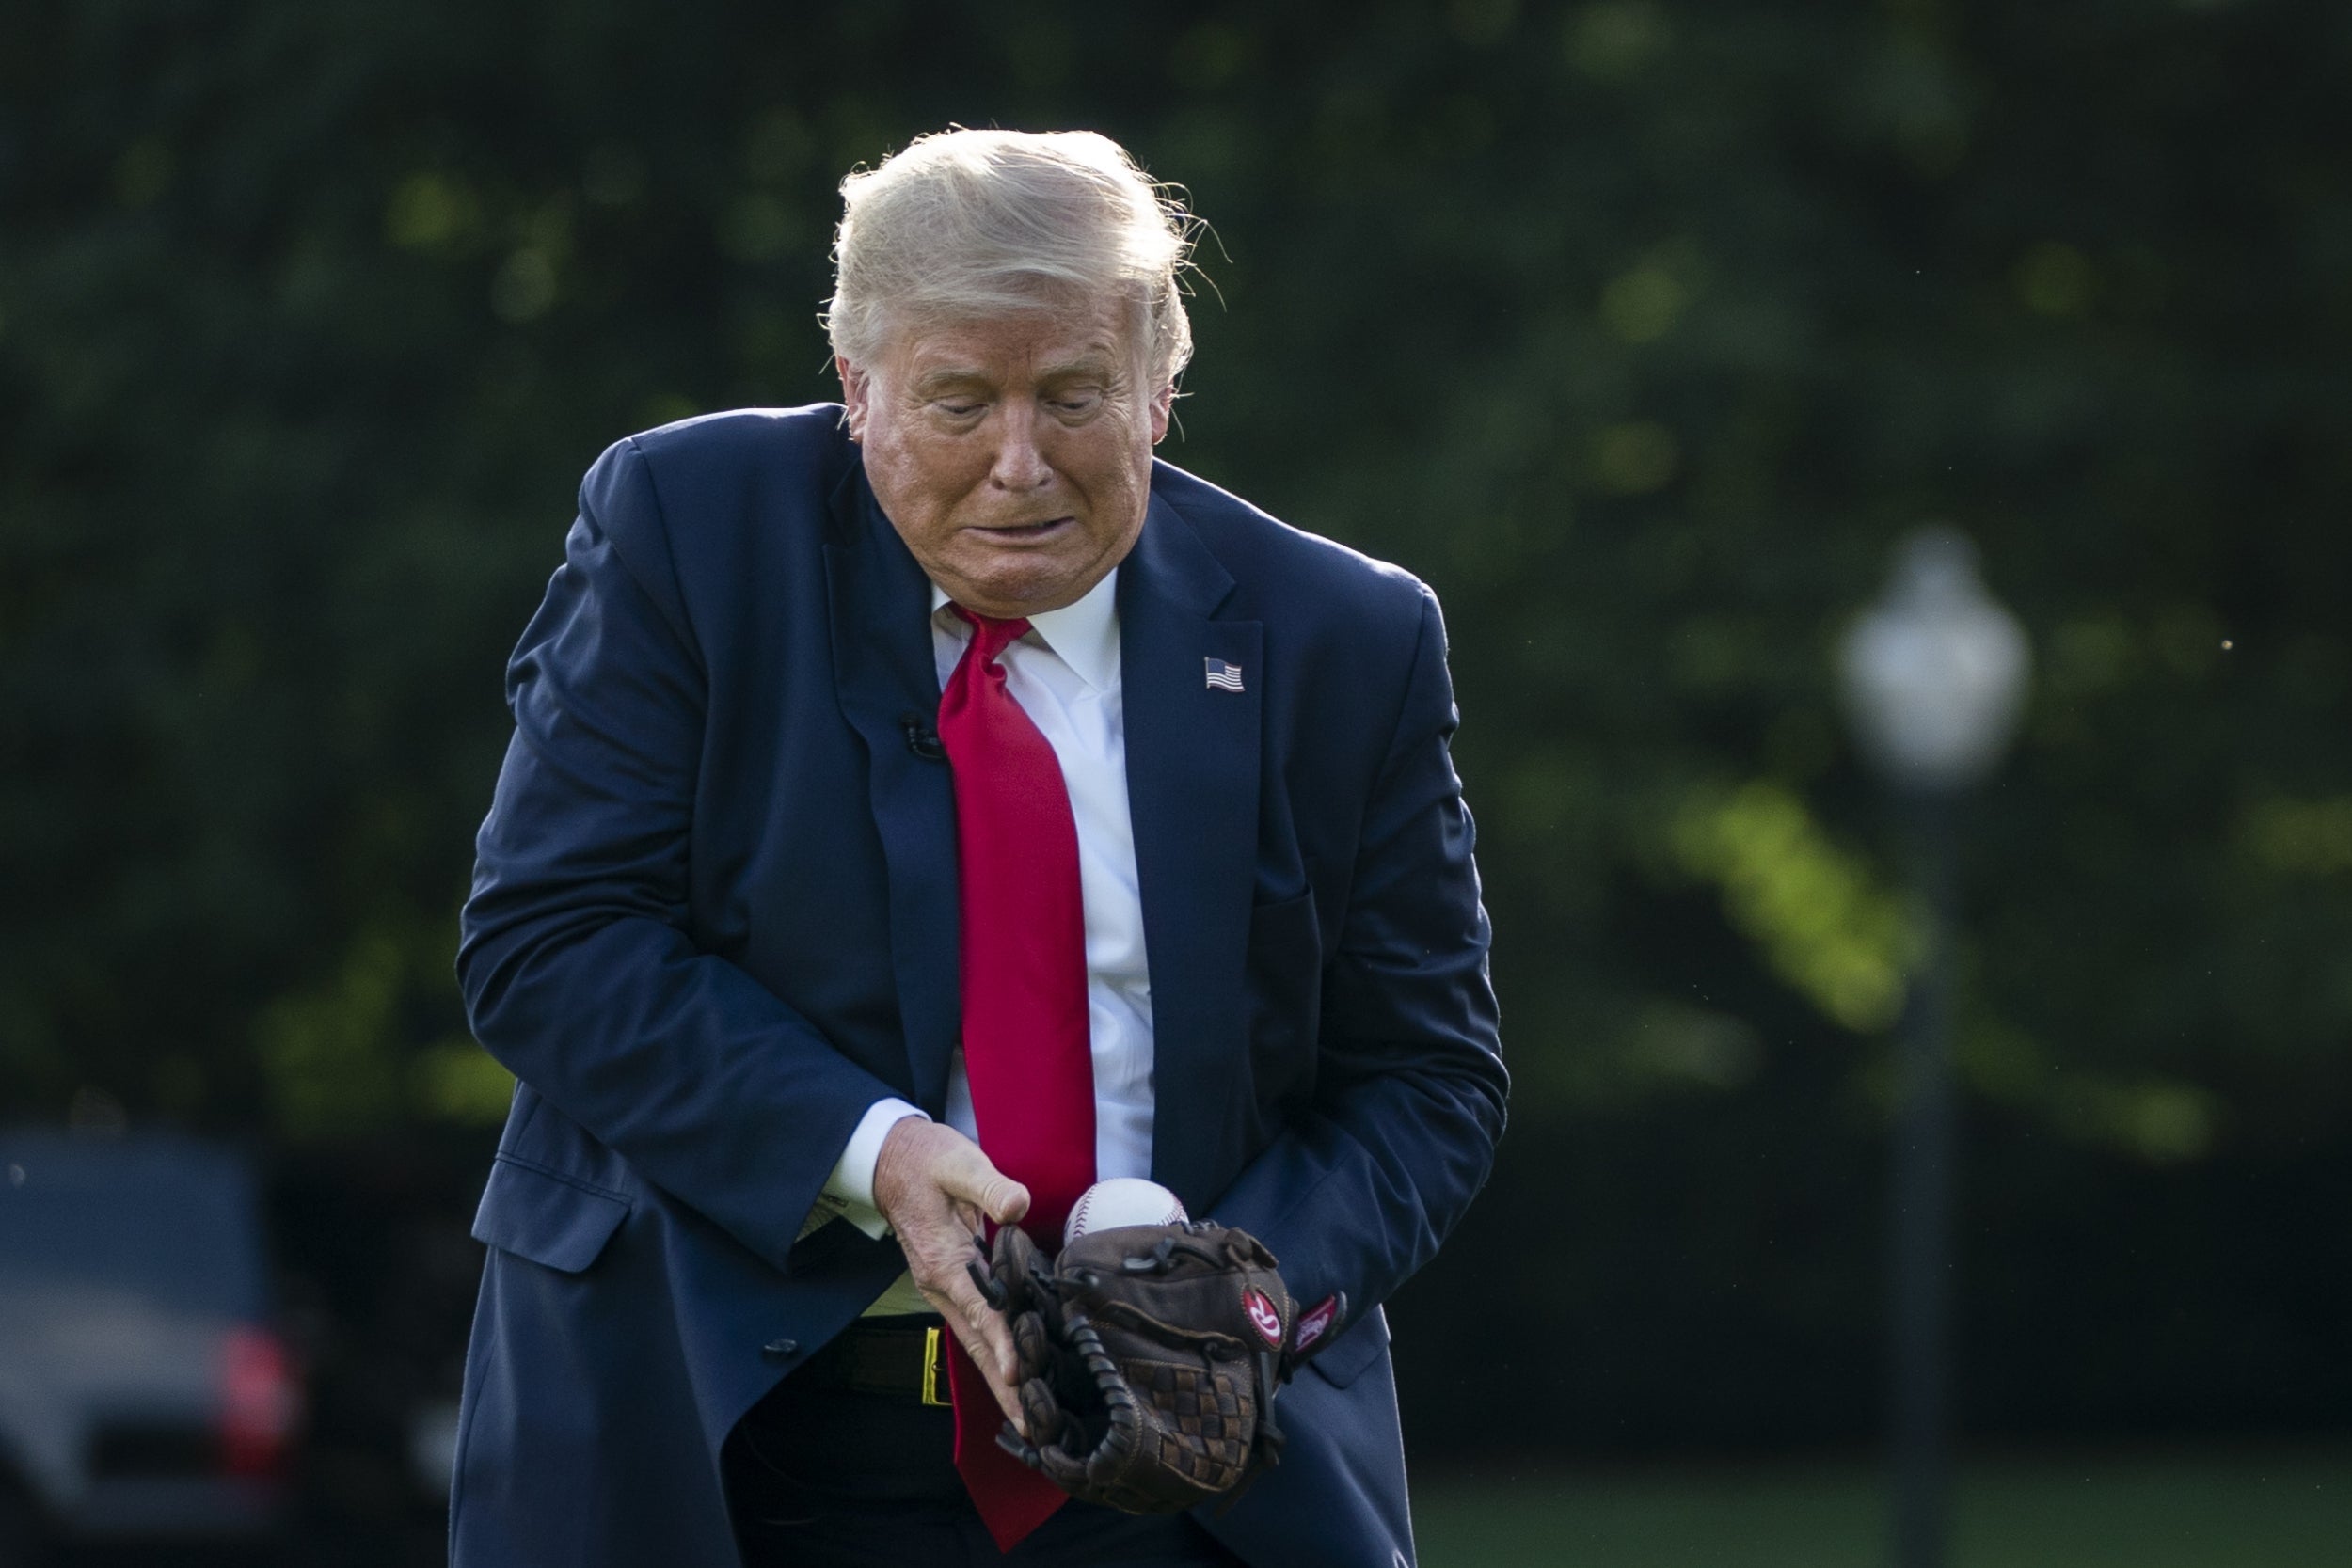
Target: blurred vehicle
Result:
[144, 1394]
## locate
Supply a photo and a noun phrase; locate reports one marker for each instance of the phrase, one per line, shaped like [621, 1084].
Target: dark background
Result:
[1640, 328]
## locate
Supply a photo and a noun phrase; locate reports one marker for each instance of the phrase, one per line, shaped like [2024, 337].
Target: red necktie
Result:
[1027, 1051]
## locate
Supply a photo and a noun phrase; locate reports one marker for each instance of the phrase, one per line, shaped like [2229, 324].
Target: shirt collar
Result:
[1084, 635]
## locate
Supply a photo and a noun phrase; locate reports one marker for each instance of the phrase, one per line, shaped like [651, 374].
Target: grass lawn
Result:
[2242, 1511]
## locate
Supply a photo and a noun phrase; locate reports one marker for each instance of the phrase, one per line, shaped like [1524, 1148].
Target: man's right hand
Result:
[934, 1186]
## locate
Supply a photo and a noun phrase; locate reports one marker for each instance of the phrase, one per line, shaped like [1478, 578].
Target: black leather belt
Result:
[894, 1358]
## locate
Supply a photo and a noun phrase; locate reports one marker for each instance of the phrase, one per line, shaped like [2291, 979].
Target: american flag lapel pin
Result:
[1224, 676]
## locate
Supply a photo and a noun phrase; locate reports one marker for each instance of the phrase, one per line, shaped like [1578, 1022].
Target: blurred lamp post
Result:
[1934, 674]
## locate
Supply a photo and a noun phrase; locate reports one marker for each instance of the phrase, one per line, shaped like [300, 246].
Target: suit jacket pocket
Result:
[552, 1220]
[1359, 1346]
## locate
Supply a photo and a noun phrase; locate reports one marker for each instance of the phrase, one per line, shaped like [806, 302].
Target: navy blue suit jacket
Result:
[713, 919]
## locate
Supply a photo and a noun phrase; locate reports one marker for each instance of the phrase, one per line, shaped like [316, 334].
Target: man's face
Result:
[1014, 456]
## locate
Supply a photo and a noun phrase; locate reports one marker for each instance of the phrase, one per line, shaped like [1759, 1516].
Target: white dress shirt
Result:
[1064, 672]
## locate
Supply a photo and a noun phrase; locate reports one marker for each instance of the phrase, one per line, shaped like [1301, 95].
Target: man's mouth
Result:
[1016, 532]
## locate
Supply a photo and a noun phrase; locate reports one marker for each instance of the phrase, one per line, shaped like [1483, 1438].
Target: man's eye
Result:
[959, 410]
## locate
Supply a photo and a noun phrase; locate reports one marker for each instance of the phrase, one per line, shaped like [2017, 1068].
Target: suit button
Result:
[779, 1349]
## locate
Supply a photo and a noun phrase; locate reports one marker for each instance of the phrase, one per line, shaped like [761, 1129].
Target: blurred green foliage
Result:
[1639, 327]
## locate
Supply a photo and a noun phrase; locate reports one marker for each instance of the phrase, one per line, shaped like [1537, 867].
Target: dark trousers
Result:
[830, 1478]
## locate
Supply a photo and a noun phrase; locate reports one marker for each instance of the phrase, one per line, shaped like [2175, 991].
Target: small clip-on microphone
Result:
[922, 739]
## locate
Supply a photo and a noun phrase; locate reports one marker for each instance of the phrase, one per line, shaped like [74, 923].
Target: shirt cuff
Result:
[853, 1179]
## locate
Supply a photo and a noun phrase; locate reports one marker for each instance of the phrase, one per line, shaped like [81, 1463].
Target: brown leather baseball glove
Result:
[1150, 1358]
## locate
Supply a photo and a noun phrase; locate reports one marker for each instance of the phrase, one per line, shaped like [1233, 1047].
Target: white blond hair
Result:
[964, 226]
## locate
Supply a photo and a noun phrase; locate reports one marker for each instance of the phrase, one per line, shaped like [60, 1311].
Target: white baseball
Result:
[1122, 1200]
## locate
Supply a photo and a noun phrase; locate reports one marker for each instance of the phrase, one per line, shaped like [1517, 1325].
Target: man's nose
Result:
[1020, 465]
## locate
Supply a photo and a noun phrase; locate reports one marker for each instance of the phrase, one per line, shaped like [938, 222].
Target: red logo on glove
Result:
[1264, 1316]
[1313, 1325]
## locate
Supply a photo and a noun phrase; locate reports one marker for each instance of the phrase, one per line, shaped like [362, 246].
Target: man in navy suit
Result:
[724, 925]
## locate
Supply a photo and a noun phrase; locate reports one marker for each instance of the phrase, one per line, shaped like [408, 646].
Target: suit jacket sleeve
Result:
[578, 969]
[1360, 1190]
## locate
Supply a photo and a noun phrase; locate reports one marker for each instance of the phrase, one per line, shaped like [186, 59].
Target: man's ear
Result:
[856, 391]
[1162, 400]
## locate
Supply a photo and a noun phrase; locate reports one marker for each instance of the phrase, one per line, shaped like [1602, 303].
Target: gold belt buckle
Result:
[930, 1368]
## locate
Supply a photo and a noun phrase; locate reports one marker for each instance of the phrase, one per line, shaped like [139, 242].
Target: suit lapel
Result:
[1192, 789]
[885, 677]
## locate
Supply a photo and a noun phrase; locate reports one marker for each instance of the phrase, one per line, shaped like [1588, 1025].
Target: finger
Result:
[997, 1353]
[1006, 1200]
[970, 1176]
[990, 1344]
[986, 1339]
[941, 1273]
[1000, 1387]
[1010, 1402]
